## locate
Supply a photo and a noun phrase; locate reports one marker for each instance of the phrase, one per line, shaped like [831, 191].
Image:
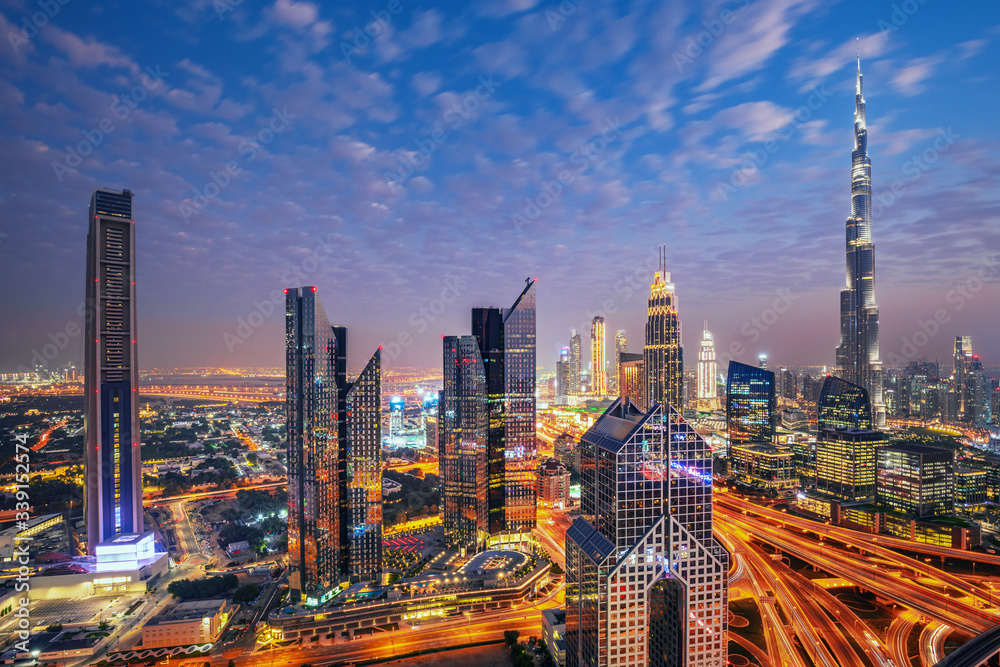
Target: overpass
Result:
[983, 649]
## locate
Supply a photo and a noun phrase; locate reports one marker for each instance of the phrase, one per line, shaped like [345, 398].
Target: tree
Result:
[230, 515]
[55, 627]
[246, 593]
[232, 663]
[103, 625]
[510, 637]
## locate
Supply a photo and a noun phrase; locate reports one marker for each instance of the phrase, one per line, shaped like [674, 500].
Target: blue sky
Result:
[413, 160]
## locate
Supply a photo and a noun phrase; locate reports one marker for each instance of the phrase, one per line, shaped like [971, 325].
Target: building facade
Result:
[846, 462]
[632, 378]
[363, 475]
[663, 354]
[764, 466]
[858, 353]
[562, 376]
[112, 461]
[646, 499]
[575, 362]
[751, 404]
[843, 405]
[462, 432]
[553, 484]
[520, 447]
[598, 358]
[915, 480]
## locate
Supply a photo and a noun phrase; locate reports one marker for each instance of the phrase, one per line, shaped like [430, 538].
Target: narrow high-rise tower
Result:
[575, 362]
[708, 391]
[858, 354]
[664, 358]
[113, 465]
[598, 358]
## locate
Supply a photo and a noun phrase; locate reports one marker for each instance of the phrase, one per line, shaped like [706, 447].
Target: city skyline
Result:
[200, 290]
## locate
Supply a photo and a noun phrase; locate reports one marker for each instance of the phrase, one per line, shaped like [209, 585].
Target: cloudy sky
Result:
[413, 160]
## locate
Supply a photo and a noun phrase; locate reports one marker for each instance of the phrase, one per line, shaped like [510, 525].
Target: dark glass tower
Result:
[751, 404]
[505, 341]
[364, 471]
[575, 361]
[334, 434]
[858, 353]
[843, 405]
[645, 579]
[664, 357]
[462, 439]
[113, 465]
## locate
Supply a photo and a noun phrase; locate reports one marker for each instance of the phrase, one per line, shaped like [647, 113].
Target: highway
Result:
[199, 495]
[932, 643]
[898, 635]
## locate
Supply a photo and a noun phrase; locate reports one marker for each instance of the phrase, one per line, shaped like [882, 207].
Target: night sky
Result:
[432, 167]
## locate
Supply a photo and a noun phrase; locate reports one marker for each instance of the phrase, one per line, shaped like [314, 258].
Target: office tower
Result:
[621, 345]
[364, 472]
[113, 465]
[858, 354]
[646, 583]
[463, 423]
[751, 406]
[334, 430]
[632, 379]
[963, 355]
[562, 375]
[598, 358]
[313, 377]
[762, 360]
[915, 480]
[575, 362]
[520, 446]
[843, 405]
[707, 387]
[664, 358]
[396, 406]
[505, 340]
[845, 462]
[791, 388]
[977, 392]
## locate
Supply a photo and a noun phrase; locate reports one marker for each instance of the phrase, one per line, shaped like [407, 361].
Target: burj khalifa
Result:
[857, 355]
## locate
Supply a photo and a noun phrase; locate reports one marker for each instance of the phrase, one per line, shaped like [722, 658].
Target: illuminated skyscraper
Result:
[751, 405]
[462, 437]
[112, 464]
[646, 583]
[334, 433]
[664, 358]
[364, 472]
[632, 379]
[843, 405]
[575, 362]
[858, 353]
[505, 341]
[562, 375]
[845, 462]
[621, 345]
[598, 358]
[707, 387]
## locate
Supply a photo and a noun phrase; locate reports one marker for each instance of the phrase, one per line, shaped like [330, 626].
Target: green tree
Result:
[246, 593]
[510, 638]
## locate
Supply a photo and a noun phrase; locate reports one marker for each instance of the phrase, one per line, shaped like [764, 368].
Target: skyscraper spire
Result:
[858, 355]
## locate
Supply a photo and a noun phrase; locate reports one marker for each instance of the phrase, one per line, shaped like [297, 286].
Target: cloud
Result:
[85, 52]
[910, 79]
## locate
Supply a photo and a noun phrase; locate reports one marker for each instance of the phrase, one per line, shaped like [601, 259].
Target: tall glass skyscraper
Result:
[632, 378]
[112, 464]
[463, 423]
[562, 374]
[575, 362]
[843, 405]
[664, 357]
[858, 353]
[334, 431]
[646, 525]
[751, 404]
[505, 344]
[598, 358]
